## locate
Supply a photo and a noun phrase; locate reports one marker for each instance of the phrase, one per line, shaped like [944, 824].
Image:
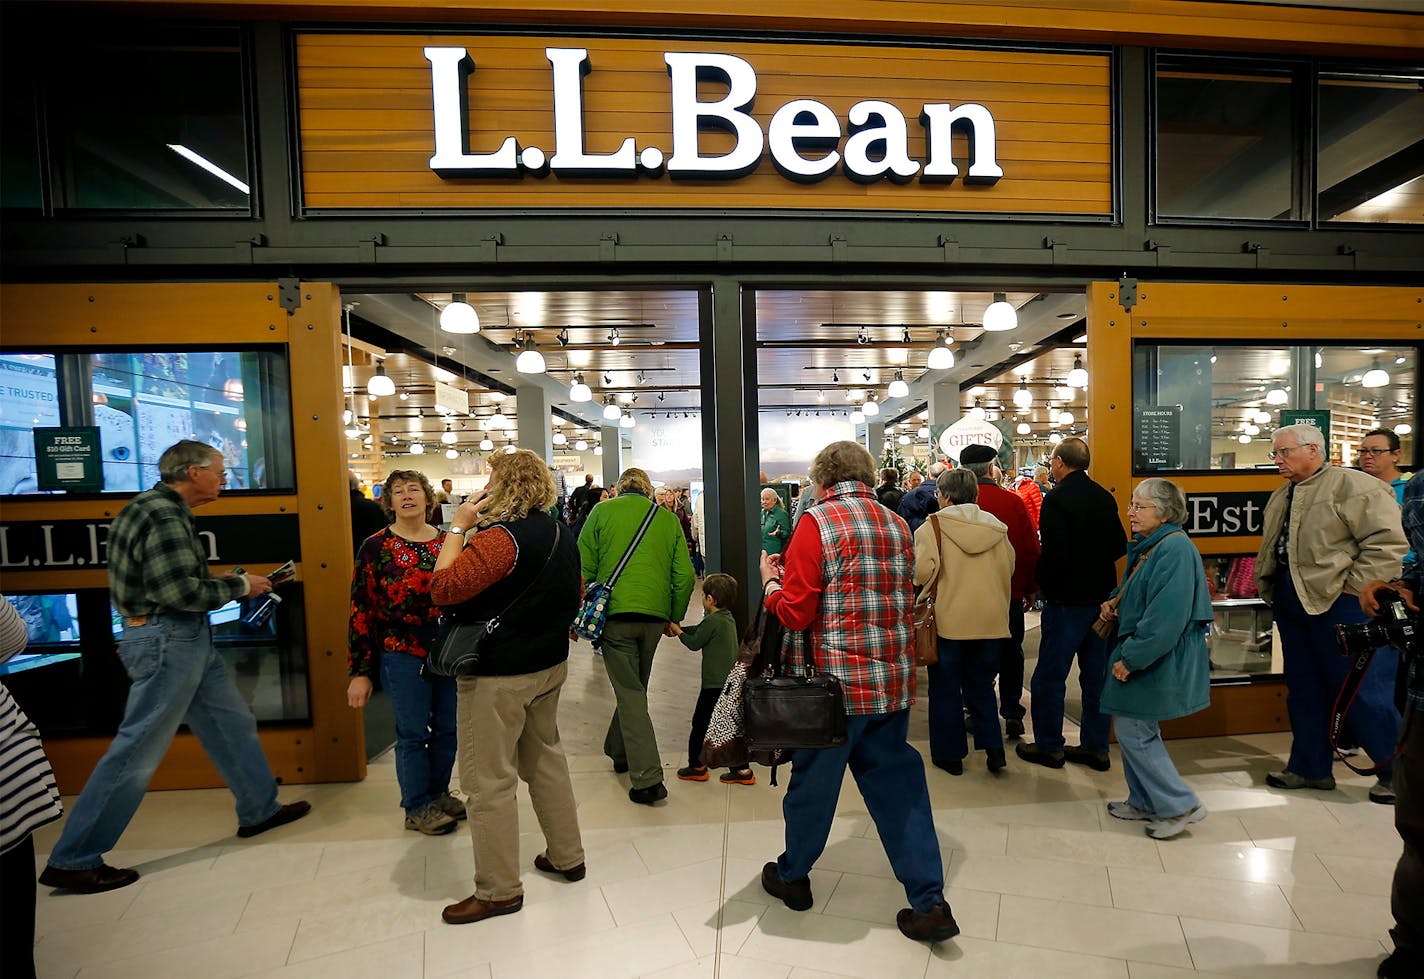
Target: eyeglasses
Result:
[221, 474]
[1281, 453]
[1135, 506]
[1376, 452]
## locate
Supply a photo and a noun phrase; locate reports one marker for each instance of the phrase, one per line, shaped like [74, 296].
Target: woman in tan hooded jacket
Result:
[968, 550]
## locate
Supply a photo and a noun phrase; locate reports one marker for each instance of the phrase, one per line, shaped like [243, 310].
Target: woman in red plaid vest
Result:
[842, 589]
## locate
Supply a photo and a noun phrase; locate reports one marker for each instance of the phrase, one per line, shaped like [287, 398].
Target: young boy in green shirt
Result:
[716, 636]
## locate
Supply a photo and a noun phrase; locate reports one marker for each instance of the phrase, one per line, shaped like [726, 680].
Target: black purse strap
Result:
[632, 546]
[558, 533]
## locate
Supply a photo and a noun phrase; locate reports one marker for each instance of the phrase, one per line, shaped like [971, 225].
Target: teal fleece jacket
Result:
[716, 636]
[1161, 637]
[658, 580]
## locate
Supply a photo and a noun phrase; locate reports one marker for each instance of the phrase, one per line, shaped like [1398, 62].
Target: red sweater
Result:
[1006, 505]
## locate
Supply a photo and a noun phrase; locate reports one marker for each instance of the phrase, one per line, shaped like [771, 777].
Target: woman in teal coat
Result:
[1158, 668]
[775, 523]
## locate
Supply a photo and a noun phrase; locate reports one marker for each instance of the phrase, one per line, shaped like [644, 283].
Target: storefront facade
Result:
[386, 145]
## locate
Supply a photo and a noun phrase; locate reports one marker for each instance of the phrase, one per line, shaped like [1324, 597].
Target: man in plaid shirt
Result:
[845, 580]
[159, 583]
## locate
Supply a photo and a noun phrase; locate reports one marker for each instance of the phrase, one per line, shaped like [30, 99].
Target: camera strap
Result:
[1344, 700]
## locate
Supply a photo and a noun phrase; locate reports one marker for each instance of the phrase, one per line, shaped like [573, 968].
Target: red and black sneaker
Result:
[738, 776]
[693, 773]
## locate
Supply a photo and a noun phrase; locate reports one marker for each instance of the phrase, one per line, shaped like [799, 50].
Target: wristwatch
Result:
[457, 530]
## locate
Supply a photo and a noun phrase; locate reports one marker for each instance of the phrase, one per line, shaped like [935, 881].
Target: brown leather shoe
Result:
[472, 909]
[289, 813]
[542, 862]
[95, 880]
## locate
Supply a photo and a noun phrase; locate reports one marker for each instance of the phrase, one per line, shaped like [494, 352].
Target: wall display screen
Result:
[29, 399]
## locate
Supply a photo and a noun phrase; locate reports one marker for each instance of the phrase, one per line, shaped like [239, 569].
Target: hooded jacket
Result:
[972, 601]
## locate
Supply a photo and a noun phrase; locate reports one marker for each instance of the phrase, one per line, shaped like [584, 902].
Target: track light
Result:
[459, 316]
[862, 338]
[579, 391]
[835, 376]
[1077, 377]
[898, 387]
[563, 337]
[613, 337]
[530, 361]
[1001, 315]
[382, 386]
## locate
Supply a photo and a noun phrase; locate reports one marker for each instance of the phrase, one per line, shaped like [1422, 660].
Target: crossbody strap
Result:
[632, 546]
[1118, 597]
[558, 534]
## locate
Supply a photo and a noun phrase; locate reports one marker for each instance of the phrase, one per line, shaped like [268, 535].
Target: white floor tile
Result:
[200, 921]
[1057, 880]
[217, 958]
[632, 951]
[449, 949]
[839, 946]
[1229, 861]
[1080, 846]
[1328, 912]
[1250, 950]
[705, 924]
[974, 958]
[1361, 875]
[727, 967]
[63, 912]
[877, 901]
[396, 957]
[1112, 932]
[1202, 897]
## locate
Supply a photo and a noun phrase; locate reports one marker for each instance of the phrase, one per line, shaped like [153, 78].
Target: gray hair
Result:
[1304, 435]
[958, 486]
[937, 468]
[1040, 473]
[979, 469]
[1166, 496]
[173, 464]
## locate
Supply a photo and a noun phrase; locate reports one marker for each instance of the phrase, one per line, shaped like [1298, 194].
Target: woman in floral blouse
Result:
[393, 624]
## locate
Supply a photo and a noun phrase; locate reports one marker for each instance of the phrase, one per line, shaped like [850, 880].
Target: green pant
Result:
[628, 649]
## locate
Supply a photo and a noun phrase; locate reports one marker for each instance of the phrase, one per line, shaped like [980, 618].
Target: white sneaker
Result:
[1126, 810]
[1165, 829]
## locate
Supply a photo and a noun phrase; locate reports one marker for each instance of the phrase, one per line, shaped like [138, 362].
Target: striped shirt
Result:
[157, 561]
[28, 796]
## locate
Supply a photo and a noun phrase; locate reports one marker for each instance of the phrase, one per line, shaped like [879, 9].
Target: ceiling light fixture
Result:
[417, 449]
[581, 445]
[1376, 376]
[579, 391]
[1077, 377]
[613, 336]
[531, 361]
[898, 387]
[1023, 397]
[977, 412]
[857, 417]
[380, 384]
[598, 450]
[903, 440]
[560, 438]
[459, 316]
[452, 453]
[1001, 315]
[1277, 396]
[448, 436]
[627, 420]
[941, 357]
[1066, 418]
[871, 408]
[1023, 428]
[1403, 428]
[611, 411]
[862, 338]
[486, 445]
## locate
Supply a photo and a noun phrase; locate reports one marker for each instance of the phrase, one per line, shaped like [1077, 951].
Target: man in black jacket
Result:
[1082, 540]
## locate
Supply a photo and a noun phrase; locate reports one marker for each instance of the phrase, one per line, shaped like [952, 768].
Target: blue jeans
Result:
[1153, 784]
[963, 676]
[177, 677]
[425, 729]
[1066, 632]
[1315, 669]
[891, 778]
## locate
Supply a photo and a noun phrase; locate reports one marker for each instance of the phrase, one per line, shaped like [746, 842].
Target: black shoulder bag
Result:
[785, 712]
[457, 648]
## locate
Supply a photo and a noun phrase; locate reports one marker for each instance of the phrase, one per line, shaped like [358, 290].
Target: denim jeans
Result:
[177, 677]
[1153, 784]
[964, 676]
[425, 729]
[1066, 632]
[891, 778]
[1315, 669]
[1011, 665]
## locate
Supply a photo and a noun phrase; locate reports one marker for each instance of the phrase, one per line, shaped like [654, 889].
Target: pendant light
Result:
[898, 387]
[579, 391]
[871, 408]
[459, 316]
[977, 412]
[941, 356]
[581, 446]
[903, 440]
[380, 385]
[417, 449]
[499, 420]
[1277, 396]
[560, 438]
[452, 453]
[857, 417]
[531, 361]
[611, 411]
[1001, 315]
[1077, 377]
[448, 436]
[509, 449]
[1066, 418]
[486, 444]
[627, 420]
[1403, 428]
[1023, 397]
[598, 450]
[1023, 428]
[1376, 376]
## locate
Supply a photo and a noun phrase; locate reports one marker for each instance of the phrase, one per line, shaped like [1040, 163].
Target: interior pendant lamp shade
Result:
[857, 418]
[977, 412]
[1023, 397]
[1277, 396]
[380, 385]
[417, 449]
[1376, 376]
[452, 453]
[1077, 377]
[871, 408]
[1024, 428]
[581, 445]
[560, 438]
[448, 437]
[941, 358]
[530, 361]
[459, 316]
[579, 391]
[903, 440]
[611, 411]
[1065, 418]
[898, 387]
[626, 421]
[1001, 315]
[598, 450]
[486, 445]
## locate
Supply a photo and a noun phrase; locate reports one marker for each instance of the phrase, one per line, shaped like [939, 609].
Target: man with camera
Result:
[1407, 895]
[1328, 531]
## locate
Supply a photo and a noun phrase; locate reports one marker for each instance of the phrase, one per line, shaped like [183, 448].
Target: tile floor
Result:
[1043, 882]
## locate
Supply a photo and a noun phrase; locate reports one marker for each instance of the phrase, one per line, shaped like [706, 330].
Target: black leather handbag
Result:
[785, 712]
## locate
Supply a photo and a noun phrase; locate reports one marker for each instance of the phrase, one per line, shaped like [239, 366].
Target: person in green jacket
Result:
[775, 523]
[651, 595]
[1158, 666]
[716, 636]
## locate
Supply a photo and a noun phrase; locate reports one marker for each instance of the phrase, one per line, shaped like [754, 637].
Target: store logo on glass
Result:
[803, 137]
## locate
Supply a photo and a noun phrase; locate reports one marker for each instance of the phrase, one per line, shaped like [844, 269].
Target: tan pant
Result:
[508, 730]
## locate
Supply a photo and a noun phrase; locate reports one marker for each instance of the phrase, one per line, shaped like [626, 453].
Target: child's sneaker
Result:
[738, 776]
[693, 773]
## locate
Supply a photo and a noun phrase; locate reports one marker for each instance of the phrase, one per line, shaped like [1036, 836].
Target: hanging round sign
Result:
[966, 432]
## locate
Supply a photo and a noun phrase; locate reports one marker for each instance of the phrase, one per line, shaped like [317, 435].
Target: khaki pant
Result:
[628, 649]
[508, 730]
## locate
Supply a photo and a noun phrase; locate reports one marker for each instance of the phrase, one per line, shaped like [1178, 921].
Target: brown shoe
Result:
[451, 806]
[542, 862]
[472, 909]
[289, 813]
[95, 880]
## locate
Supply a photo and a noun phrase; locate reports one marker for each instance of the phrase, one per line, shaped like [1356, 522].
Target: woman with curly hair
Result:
[393, 624]
[521, 565]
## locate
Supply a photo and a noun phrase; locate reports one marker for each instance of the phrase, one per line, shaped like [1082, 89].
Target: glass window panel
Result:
[151, 123]
[1226, 143]
[29, 399]
[1370, 149]
[1364, 389]
[21, 187]
[1242, 638]
[235, 401]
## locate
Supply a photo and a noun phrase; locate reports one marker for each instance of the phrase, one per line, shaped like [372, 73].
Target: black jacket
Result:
[367, 517]
[917, 505]
[1082, 540]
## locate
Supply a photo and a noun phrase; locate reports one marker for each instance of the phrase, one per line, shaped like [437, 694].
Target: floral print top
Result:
[391, 609]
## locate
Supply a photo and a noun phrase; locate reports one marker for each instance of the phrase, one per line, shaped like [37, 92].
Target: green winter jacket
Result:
[1162, 620]
[775, 529]
[716, 636]
[658, 580]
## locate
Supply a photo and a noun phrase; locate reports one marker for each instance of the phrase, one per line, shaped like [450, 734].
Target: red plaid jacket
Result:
[846, 582]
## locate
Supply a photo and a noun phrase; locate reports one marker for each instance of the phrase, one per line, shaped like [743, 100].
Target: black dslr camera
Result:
[1396, 626]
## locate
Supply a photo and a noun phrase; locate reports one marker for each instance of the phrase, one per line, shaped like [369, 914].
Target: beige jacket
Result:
[1345, 531]
[973, 597]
